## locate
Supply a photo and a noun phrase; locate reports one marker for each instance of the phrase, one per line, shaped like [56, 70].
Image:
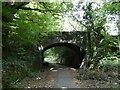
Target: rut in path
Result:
[64, 78]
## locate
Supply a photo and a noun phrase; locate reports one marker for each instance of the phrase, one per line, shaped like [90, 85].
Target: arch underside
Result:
[79, 51]
[68, 45]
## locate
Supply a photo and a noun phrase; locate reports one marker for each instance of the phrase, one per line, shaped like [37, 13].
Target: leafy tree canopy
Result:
[31, 19]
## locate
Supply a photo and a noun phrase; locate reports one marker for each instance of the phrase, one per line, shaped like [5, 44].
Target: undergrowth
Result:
[107, 73]
[13, 71]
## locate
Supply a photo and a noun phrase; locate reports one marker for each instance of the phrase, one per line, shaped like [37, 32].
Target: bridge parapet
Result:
[77, 37]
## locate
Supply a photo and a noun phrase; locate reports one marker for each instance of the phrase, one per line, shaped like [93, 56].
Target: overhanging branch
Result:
[56, 11]
[78, 20]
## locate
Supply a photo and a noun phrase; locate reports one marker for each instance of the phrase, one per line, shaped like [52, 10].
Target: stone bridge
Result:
[77, 38]
[74, 40]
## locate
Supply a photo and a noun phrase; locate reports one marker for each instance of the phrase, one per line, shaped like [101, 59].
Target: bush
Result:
[12, 73]
[92, 74]
[110, 64]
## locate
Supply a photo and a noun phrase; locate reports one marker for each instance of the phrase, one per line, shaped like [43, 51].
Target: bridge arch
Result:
[77, 49]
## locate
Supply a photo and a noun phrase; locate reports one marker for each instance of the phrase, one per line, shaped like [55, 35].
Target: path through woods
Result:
[54, 76]
[64, 77]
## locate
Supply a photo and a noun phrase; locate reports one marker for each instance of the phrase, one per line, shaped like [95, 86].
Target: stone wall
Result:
[78, 38]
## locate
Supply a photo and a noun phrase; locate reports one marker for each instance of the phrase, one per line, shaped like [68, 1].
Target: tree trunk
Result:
[41, 61]
[89, 53]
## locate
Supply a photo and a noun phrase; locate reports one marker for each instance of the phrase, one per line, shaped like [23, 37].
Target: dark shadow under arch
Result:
[68, 45]
[79, 51]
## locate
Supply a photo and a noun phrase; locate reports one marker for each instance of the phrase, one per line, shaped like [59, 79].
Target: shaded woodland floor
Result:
[41, 80]
[50, 78]
[96, 79]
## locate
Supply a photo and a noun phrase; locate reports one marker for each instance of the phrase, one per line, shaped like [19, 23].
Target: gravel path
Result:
[64, 78]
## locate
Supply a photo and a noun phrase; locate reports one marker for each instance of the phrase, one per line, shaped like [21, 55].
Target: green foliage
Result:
[32, 23]
[50, 55]
[12, 73]
[65, 56]
[99, 79]
[21, 65]
[104, 47]
[94, 23]
[24, 26]
[7, 12]
[107, 73]
[110, 63]
[92, 74]
[111, 7]
[99, 42]
[61, 55]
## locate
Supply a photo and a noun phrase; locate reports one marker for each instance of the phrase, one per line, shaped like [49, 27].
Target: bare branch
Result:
[78, 20]
[72, 26]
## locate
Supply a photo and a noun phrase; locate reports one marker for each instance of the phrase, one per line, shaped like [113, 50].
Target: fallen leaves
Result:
[42, 80]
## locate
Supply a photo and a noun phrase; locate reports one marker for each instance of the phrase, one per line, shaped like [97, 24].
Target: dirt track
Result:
[64, 78]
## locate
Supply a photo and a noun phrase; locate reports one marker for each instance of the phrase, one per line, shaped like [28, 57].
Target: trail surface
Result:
[54, 76]
[64, 78]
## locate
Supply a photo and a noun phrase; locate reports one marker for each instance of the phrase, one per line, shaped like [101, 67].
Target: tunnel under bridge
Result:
[76, 41]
